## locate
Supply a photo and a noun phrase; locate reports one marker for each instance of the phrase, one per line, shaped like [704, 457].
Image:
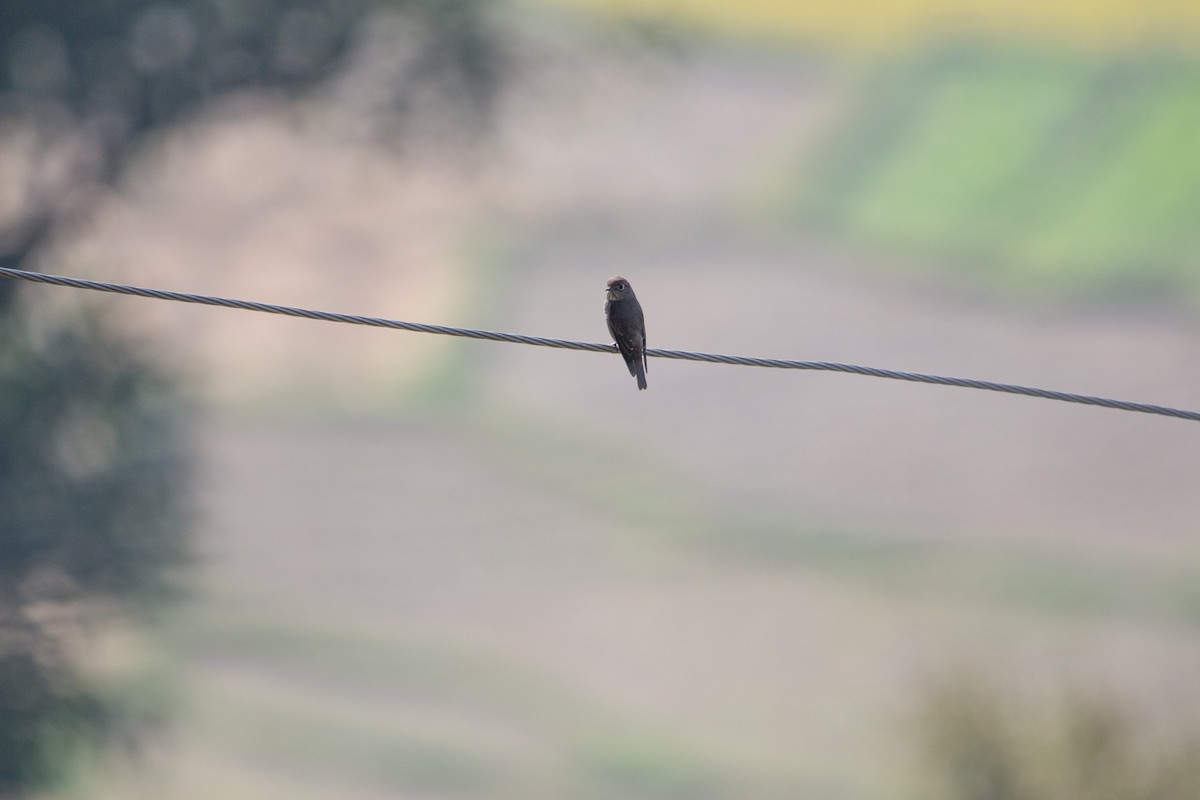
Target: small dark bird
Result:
[627, 326]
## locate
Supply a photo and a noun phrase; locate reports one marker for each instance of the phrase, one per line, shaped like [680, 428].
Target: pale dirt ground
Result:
[788, 679]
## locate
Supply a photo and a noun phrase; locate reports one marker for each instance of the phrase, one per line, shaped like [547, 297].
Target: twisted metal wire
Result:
[566, 344]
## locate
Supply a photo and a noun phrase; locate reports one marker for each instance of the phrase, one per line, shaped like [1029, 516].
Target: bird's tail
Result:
[640, 371]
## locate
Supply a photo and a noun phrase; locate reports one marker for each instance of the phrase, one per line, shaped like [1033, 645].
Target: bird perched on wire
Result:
[627, 326]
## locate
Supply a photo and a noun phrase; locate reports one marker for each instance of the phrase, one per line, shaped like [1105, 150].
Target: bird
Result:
[623, 313]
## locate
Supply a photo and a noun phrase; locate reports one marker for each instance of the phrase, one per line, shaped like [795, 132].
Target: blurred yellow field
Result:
[865, 24]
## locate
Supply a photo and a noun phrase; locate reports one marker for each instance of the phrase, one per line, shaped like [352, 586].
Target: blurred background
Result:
[254, 557]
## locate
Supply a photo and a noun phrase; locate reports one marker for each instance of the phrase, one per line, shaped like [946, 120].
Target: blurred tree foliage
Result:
[92, 512]
[82, 82]
[982, 746]
[92, 452]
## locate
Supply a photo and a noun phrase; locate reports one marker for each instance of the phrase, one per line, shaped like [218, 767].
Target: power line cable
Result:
[566, 344]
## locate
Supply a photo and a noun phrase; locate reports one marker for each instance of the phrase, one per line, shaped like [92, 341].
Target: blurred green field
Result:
[698, 645]
[1044, 148]
[429, 715]
[1046, 174]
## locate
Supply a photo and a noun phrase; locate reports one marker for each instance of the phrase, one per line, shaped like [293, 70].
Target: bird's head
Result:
[618, 289]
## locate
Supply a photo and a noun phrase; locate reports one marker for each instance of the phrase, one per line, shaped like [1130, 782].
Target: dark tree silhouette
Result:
[93, 456]
[92, 475]
[89, 79]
